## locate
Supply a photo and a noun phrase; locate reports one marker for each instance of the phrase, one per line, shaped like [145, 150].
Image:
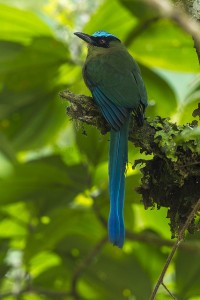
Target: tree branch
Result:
[174, 167]
[188, 24]
[83, 108]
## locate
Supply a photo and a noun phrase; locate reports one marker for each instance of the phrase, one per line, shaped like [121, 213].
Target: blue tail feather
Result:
[118, 158]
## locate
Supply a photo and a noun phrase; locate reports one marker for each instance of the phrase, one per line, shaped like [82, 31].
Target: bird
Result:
[114, 79]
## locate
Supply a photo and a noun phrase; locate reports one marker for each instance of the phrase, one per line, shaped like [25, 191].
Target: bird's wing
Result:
[114, 114]
[116, 87]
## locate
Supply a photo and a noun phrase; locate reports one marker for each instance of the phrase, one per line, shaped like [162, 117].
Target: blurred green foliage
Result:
[53, 177]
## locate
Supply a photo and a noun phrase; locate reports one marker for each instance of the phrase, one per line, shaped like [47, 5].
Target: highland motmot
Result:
[115, 81]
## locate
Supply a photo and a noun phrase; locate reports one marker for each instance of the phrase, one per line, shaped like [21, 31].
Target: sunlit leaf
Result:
[117, 23]
[162, 99]
[43, 261]
[173, 50]
[186, 109]
[19, 25]
[10, 228]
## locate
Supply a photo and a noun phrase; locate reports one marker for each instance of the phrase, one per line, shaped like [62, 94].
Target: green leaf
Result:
[29, 94]
[151, 256]
[92, 145]
[152, 219]
[185, 111]
[104, 277]
[17, 212]
[73, 248]
[23, 63]
[20, 25]
[132, 182]
[139, 9]
[161, 97]
[4, 266]
[31, 296]
[117, 23]
[29, 76]
[42, 262]
[6, 148]
[10, 228]
[173, 50]
[189, 139]
[43, 181]
[188, 262]
[62, 222]
[43, 128]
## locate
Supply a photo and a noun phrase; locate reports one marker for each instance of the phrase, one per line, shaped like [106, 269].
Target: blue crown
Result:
[103, 34]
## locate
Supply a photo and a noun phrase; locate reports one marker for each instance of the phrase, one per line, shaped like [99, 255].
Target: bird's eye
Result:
[102, 42]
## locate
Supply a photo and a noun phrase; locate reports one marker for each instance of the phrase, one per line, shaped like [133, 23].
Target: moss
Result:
[172, 177]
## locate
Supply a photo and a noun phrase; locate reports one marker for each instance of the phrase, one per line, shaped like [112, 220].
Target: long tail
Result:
[118, 158]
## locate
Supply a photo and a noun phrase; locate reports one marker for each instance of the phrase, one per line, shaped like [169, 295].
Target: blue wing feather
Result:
[114, 114]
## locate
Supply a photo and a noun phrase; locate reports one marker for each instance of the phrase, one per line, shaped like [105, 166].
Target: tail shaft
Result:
[118, 158]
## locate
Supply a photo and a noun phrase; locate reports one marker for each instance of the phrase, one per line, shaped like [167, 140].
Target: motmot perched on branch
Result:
[115, 82]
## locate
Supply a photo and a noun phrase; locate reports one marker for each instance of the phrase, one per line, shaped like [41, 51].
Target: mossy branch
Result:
[83, 108]
[172, 177]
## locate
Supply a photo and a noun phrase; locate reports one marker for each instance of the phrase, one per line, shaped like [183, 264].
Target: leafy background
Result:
[53, 172]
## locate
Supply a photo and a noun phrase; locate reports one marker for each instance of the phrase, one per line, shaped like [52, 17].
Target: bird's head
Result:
[99, 38]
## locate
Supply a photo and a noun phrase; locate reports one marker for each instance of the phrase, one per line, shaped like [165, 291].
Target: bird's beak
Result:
[87, 38]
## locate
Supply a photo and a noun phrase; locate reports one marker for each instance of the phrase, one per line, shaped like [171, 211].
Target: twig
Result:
[189, 220]
[190, 164]
[167, 263]
[175, 247]
[168, 291]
